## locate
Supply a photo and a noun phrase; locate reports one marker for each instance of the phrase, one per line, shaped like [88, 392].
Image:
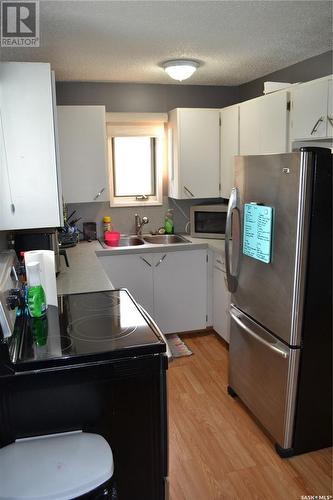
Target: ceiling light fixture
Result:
[180, 69]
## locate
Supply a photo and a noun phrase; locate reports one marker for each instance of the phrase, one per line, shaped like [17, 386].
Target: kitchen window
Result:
[134, 165]
[136, 159]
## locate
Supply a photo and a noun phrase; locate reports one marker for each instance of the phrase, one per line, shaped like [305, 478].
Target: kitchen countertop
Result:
[213, 244]
[86, 273]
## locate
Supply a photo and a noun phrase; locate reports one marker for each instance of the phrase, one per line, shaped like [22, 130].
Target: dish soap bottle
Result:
[168, 222]
[36, 294]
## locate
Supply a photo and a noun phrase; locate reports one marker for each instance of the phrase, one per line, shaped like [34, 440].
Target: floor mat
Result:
[177, 347]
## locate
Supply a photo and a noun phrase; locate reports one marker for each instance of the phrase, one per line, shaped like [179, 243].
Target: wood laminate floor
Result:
[216, 449]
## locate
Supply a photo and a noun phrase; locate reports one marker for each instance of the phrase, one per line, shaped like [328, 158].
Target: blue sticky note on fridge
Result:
[257, 236]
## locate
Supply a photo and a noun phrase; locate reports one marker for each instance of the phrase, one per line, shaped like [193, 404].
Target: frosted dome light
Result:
[180, 69]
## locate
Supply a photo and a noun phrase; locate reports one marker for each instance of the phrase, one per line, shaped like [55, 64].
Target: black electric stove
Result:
[85, 327]
[96, 363]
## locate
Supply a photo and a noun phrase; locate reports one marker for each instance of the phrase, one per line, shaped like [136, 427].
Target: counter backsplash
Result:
[123, 217]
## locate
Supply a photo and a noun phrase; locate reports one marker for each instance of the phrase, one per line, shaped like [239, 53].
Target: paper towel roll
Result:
[47, 272]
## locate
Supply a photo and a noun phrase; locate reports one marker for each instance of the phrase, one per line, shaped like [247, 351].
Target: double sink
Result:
[158, 239]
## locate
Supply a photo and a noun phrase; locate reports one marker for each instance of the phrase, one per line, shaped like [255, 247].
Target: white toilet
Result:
[56, 467]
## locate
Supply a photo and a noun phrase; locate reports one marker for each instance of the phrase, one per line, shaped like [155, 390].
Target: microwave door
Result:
[209, 223]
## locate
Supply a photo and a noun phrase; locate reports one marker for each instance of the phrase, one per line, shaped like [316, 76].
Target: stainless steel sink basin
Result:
[125, 241]
[165, 239]
[129, 241]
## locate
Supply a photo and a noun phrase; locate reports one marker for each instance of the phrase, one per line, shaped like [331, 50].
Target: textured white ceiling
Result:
[125, 41]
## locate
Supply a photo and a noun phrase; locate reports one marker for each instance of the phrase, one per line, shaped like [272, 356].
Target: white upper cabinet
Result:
[311, 110]
[263, 124]
[29, 189]
[249, 124]
[194, 136]
[83, 158]
[229, 147]
[274, 123]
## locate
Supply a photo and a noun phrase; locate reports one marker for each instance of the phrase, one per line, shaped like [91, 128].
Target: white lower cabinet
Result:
[172, 286]
[221, 299]
[134, 272]
[180, 290]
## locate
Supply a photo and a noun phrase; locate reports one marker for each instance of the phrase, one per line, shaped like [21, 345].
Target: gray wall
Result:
[131, 97]
[304, 71]
[123, 217]
[151, 98]
[144, 98]
[126, 97]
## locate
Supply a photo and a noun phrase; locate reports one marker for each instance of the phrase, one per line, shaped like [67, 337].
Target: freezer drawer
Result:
[263, 373]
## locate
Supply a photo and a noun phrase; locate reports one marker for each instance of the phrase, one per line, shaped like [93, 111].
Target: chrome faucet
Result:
[139, 223]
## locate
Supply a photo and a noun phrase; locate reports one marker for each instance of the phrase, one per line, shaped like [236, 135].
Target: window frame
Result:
[134, 129]
[153, 167]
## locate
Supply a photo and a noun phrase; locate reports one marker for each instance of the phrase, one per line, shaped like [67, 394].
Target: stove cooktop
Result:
[85, 327]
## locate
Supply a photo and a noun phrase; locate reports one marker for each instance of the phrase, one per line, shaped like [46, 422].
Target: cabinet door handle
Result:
[99, 193]
[330, 119]
[146, 261]
[161, 260]
[188, 191]
[316, 125]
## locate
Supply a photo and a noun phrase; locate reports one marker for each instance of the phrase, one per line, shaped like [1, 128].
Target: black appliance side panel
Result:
[121, 400]
[313, 419]
[32, 241]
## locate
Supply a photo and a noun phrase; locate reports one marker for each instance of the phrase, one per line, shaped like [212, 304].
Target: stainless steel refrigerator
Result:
[279, 271]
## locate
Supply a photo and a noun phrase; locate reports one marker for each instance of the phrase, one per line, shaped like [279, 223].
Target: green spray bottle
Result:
[168, 222]
[36, 295]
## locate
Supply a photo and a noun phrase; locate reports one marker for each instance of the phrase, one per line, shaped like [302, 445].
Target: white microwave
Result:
[208, 221]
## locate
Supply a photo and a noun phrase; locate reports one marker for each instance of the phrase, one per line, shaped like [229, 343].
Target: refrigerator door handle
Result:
[248, 330]
[233, 205]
